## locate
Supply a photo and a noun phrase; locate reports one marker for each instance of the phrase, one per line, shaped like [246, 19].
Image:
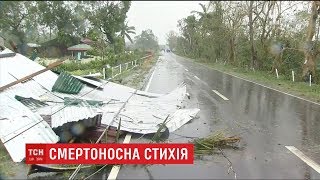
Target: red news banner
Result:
[109, 153]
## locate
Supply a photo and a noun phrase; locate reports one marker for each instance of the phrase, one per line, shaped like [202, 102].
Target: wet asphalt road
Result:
[266, 120]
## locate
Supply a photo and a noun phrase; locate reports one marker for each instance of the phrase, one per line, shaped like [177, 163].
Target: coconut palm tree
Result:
[126, 30]
[205, 11]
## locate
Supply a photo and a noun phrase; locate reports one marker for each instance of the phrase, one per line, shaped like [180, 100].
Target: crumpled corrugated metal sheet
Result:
[142, 114]
[18, 126]
[67, 84]
[89, 81]
[30, 102]
[61, 114]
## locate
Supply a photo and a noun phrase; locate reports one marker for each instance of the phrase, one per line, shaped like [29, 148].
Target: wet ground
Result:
[266, 120]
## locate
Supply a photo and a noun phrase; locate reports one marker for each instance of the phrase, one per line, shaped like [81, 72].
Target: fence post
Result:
[277, 73]
[310, 80]
[120, 69]
[132, 64]
[292, 76]
[135, 62]
[111, 72]
[126, 66]
[104, 73]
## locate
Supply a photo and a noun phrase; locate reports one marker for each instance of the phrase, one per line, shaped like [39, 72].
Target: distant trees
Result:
[45, 20]
[264, 35]
[172, 39]
[146, 41]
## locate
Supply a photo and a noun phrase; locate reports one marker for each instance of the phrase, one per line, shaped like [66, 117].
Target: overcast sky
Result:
[160, 16]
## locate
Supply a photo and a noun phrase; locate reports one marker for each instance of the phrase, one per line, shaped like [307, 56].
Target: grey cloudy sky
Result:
[160, 16]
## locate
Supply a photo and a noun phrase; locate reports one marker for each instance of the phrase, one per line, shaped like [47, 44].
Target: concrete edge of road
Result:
[251, 81]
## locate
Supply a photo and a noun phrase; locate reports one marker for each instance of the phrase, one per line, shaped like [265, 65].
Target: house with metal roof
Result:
[79, 51]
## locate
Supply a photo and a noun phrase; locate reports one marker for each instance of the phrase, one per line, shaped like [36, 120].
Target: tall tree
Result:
[311, 50]
[109, 17]
[172, 40]
[146, 41]
[15, 17]
[234, 17]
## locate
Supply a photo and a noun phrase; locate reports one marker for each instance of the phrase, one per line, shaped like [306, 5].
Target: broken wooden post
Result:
[50, 66]
[292, 75]
[277, 74]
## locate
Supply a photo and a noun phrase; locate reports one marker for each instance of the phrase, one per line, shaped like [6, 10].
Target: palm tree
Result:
[126, 30]
[205, 11]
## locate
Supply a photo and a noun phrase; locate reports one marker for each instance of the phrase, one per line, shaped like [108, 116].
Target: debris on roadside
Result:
[39, 106]
[211, 144]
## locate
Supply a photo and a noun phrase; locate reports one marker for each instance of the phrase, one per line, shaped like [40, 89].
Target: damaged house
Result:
[62, 108]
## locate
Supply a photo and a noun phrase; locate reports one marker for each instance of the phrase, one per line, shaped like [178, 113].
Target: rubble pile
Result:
[40, 106]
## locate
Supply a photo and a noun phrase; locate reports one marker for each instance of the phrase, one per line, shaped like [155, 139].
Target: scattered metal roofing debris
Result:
[67, 84]
[89, 81]
[76, 101]
[53, 106]
[19, 125]
[30, 102]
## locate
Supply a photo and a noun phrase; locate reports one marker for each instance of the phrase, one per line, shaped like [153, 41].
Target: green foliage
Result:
[109, 17]
[111, 59]
[16, 17]
[126, 30]
[220, 32]
[146, 41]
[67, 22]
[172, 40]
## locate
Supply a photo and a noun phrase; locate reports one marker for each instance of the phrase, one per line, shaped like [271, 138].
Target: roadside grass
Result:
[8, 168]
[85, 72]
[136, 76]
[300, 89]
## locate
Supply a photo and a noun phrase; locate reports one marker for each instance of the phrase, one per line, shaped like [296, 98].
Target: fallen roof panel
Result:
[89, 81]
[67, 84]
[143, 114]
[61, 114]
[19, 125]
[19, 66]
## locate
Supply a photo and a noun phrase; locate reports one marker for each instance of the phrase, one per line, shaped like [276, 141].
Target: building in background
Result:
[79, 51]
